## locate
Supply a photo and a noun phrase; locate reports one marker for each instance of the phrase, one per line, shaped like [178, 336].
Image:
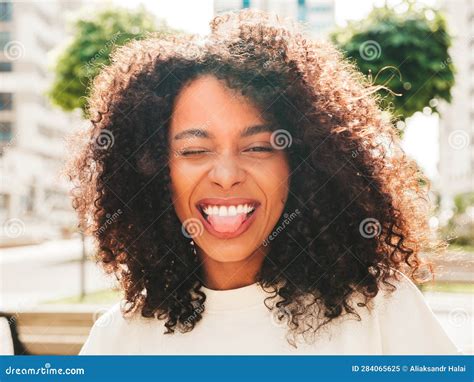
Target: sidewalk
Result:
[49, 250]
[49, 271]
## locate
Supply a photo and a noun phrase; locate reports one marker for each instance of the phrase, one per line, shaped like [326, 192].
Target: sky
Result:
[193, 16]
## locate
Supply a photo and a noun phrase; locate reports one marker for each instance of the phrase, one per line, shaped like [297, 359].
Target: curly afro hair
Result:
[363, 205]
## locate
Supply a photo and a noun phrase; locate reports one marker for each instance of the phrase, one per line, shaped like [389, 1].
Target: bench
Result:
[56, 330]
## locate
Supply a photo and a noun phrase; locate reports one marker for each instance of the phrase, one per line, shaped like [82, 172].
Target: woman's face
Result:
[229, 184]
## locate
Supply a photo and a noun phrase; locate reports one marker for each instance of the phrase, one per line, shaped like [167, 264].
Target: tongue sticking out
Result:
[226, 223]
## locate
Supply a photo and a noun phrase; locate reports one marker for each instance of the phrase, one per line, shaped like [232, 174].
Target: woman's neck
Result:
[231, 275]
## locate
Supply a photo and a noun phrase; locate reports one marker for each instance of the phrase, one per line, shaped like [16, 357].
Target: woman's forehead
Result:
[208, 104]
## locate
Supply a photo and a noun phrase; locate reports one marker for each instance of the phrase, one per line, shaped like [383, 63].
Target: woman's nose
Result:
[227, 172]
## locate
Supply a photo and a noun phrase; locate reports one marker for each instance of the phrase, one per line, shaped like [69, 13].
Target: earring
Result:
[193, 247]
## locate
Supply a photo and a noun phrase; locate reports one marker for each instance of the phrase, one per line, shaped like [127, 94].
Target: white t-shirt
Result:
[237, 322]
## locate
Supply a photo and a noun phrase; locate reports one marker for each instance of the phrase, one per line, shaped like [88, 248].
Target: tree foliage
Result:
[405, 50]
[94, 38]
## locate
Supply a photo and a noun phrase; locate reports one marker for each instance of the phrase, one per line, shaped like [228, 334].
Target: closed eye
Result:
[260, 149]
[192, 152]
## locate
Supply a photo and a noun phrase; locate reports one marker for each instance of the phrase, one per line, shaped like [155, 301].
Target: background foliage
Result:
[406, 50]
[94, 38]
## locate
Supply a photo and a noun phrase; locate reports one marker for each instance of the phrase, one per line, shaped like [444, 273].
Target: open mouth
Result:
[229, 217]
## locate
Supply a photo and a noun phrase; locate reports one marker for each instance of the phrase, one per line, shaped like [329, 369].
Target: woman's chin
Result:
[229, 255]
[226, 252]
[230, 258]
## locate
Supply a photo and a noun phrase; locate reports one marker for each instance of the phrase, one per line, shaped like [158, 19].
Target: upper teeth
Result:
[228, 210]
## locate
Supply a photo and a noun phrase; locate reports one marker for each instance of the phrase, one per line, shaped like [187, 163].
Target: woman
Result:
[251, 198]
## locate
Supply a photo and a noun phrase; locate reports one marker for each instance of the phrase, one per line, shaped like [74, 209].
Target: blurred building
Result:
[33, 200]
[317, 15]
[456, 163]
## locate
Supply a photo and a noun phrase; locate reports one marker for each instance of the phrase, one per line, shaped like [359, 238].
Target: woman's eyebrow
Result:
[193, 133]
[256, 129]
[200, 133]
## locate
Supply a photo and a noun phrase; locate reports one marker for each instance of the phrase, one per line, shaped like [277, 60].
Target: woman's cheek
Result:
[185, 178]
[278, 181]
[179, 187]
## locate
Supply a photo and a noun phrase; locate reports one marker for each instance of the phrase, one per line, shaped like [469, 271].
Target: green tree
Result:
[404, 50]
[460, 228]
[463, 201]
[89, 50]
